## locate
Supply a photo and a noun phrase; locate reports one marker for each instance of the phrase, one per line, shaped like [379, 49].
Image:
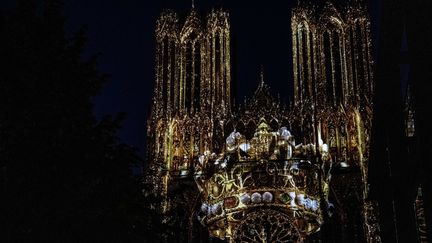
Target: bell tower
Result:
[166, 71]
[216, 87]
[192, 91]
[333, 86]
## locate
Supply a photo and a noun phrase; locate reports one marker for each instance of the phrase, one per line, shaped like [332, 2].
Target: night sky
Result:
[123, 32]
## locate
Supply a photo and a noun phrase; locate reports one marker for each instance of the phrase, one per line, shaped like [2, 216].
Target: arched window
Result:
[298, 67]
[360, 57]
[354, 61]
[176, 147]
[338, 66]
[197, 77]
[328, 67]
[240, 127]
[305, 63]
[274, 124]
[172, 73]
[250, 130]
[312, 64]
[165, 71]
[188, 74]
[229, 128]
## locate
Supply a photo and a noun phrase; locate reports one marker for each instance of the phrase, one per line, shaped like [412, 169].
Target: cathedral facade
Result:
[264, 171]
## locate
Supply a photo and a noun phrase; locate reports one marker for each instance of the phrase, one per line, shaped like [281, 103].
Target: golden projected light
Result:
[269, 172]
[259, 174]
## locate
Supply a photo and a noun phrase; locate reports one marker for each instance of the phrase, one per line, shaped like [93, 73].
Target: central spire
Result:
[262, 76]
[193, 4]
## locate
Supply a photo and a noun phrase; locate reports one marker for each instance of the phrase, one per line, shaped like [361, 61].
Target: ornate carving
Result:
[267, 226]
[267, 170]
[247, 159]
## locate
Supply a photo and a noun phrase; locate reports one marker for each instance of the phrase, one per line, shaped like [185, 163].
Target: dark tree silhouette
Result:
[64, 176]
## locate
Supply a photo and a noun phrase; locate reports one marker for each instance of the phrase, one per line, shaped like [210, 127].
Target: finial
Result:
[193, 4]
[262, 76]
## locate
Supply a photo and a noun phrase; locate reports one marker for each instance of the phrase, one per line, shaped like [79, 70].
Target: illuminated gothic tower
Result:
[192, 65]
[192, 88]
[333, 87]
[333, 73]
[332, 54]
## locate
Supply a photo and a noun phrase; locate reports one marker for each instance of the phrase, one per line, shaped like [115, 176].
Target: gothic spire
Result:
[262, 76]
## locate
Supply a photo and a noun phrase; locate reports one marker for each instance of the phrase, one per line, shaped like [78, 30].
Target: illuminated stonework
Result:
[332, 55]
[245, 162]
[268, 171]
[267, 226]
[192, 88]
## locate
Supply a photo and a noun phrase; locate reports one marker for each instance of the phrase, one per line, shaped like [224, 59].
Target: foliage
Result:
[64, 176]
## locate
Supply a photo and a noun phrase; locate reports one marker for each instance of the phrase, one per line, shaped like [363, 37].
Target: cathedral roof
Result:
[262, 100]
[262, 96]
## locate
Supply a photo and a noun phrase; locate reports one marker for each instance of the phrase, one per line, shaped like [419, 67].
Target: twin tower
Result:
[192, 102]
[193, 71]
[333, 84]
[331, 59]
